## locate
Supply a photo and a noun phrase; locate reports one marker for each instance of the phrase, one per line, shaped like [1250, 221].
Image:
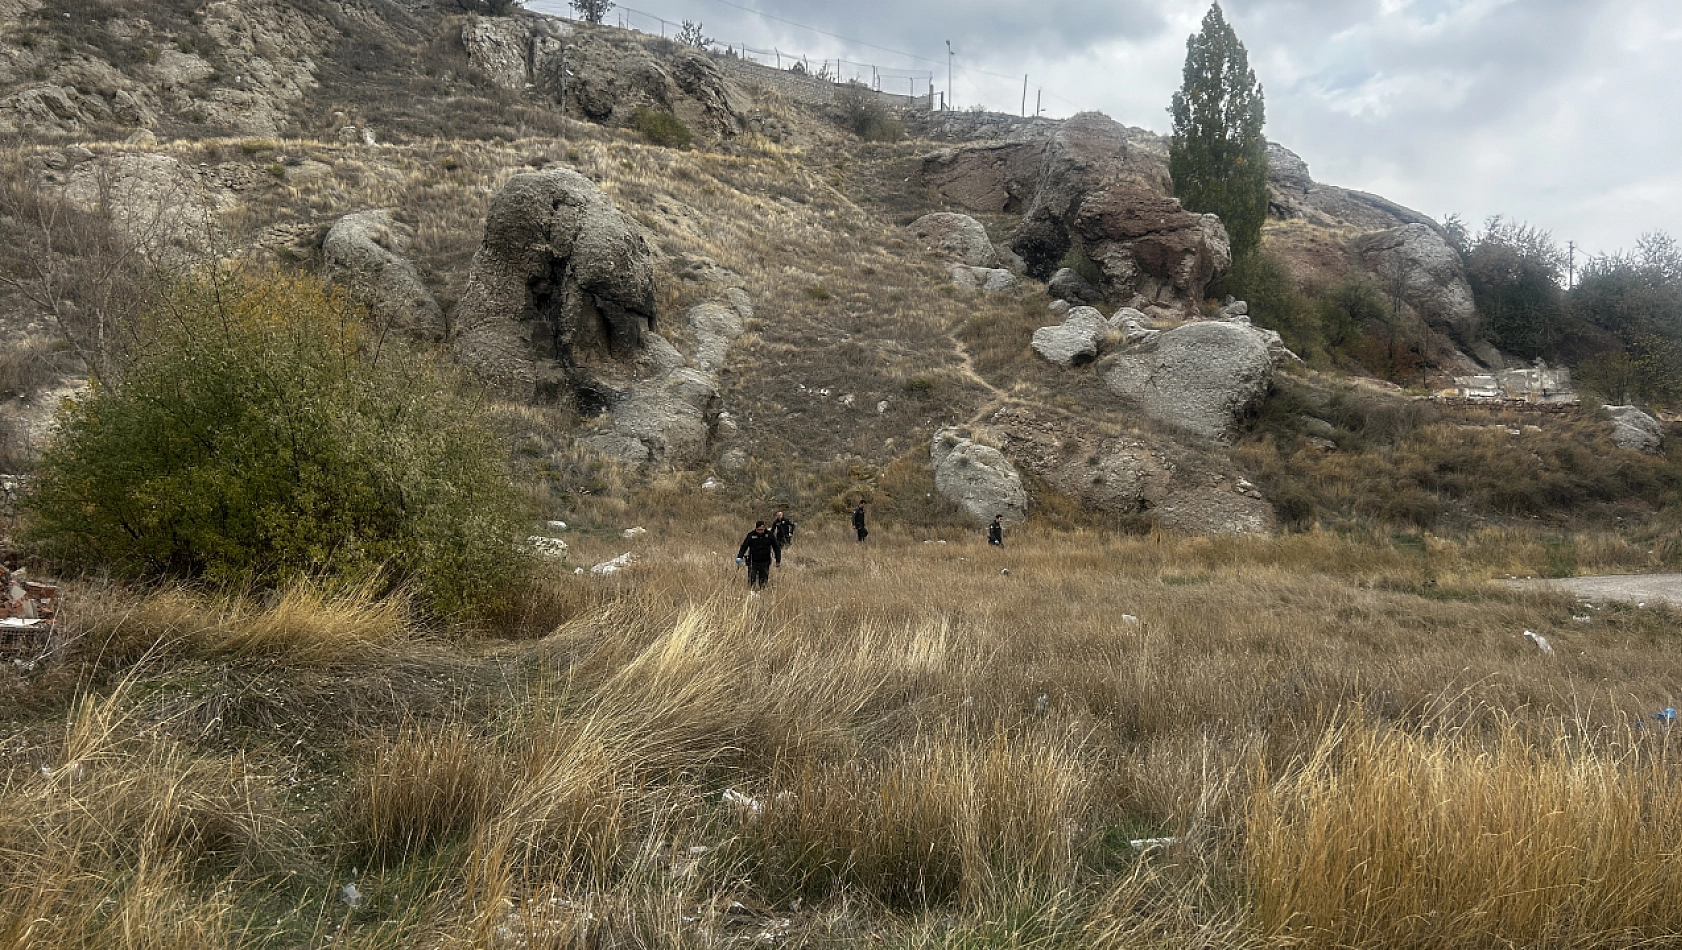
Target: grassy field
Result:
[1334, 741]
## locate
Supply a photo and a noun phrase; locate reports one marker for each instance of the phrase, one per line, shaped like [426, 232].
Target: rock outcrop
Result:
[1202, 377]
[1635, 430]
[1075, 341]
[671, 414]
[978, 477]
[1149, 250]
[560, 291]
[1131, 474]
[365, 254]
[1416, 260]
[1069, 286]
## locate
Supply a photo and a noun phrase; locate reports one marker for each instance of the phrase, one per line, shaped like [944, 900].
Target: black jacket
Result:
[858, 517]
[996, 534]
[783, 530]
[760, 548]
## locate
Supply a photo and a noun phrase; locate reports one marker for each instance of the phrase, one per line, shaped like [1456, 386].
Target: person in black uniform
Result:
[782, 529]
[858, 520]
[757, 551]
[996, 532]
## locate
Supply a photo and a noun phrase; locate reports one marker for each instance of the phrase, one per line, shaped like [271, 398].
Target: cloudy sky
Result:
[1566, 114]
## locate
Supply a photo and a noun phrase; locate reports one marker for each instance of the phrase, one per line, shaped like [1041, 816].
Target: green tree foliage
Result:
[591, 11]
[1217, 154]
[1635, 299]
[661, 128]
[260, 433]
[691, 35]
[1514, 271]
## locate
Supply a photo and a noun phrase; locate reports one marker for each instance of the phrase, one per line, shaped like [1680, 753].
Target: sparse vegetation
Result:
[661, 128]
[864, 114]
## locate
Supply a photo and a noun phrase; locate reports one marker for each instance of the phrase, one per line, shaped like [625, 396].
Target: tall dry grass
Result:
[1383, 838]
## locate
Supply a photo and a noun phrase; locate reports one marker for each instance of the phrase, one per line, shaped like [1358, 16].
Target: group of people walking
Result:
[764, 544]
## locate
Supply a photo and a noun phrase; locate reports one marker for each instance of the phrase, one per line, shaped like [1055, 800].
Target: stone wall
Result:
[800, 87]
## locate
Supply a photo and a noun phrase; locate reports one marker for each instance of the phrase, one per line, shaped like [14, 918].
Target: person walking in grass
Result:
[758, 550]
[996, 532]
[782, 529]
[858, 520]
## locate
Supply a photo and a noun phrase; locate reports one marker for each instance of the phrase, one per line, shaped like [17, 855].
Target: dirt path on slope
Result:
[966, 366]
[1634, 588]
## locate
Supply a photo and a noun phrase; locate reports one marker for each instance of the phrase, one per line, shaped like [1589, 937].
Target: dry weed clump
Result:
[1384, 838]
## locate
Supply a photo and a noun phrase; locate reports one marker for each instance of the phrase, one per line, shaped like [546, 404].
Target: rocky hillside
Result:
[993, 316]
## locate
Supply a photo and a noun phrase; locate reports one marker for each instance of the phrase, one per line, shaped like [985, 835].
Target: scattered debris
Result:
[1540, 641]
[1130, 620]
[558, 525]
[1583, 619]
[1004, 570]
[350, 896]
[27, 612]
[711, 484]
[614, 566]
[548, 548]
[1666, 715]
[1141, 844]
[633, 532]
[743, 803]
[1042, 703]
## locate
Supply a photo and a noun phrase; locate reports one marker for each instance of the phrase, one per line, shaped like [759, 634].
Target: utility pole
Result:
[1024, 95]
[1038, 93]
[1571, 265]
[950, 100]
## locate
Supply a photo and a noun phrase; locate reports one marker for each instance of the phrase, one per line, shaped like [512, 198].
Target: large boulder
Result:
[1069, 286]
[992, 178]
[364, 253]
[560, 291]
[500, 47]
[1146, 246]
[1179, 486]
[1087, 153]
[1418, 261]
[1202, 377]
[989, 280]
[1075, 341]
[978, 477]
[1634, 429]
[957, 237]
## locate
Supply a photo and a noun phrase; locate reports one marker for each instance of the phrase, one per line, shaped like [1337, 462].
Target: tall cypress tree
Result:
[1218, 156]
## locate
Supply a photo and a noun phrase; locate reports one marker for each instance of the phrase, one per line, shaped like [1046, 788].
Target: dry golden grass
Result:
[897, 742]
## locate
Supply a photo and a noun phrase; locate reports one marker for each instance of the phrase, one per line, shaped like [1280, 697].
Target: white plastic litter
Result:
[1540, 641]
[743, 803]
[633, 532]
[614, 566]
[1130, 620]
[1140, 844]
[350, 895]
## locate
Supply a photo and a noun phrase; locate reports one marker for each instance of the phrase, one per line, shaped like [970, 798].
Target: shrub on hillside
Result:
[661, 128]
[259, 434]
[863, 113]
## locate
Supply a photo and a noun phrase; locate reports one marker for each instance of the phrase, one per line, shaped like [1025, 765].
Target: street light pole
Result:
[950, 102]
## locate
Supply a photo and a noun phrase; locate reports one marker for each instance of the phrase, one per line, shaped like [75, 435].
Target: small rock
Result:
[633, 532]
[614, 566]
[882, 407]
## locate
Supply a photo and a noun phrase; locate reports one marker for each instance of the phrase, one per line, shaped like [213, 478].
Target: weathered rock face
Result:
[1635, 430]
[1202, 377]
[1069, 286]
[364, 253]
[261, 62]
[989, 280]
[502, 47]
[1147, 247]
[1075, 341]
[957, 237]
[155, 199]
[1130, 474]
[1416, 259]
[670, 415]
[560, 290]
[1088, 154]
[1293, 194]
[978, 477]
[986, 178]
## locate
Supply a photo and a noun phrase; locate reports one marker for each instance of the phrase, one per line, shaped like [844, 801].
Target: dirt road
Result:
[1636, 588]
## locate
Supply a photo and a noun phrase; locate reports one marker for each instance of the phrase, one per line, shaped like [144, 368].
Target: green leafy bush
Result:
[661, 128]
[258, 434]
